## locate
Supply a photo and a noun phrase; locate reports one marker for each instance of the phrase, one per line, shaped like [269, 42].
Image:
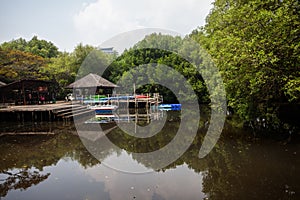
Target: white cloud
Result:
[103, 19]
[178, 183]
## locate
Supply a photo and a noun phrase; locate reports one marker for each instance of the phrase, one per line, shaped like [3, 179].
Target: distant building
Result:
[108, 50]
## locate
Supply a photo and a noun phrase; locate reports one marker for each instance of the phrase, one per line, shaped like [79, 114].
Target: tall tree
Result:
[255, 44]
[35, 46]
[89, 59]
[61, 71]
[66, 67]
[164, 50]
[16, 65]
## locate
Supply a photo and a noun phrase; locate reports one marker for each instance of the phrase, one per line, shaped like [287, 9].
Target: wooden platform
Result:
[130, 101]
[43, 112]
[67, 110]
[40, 107]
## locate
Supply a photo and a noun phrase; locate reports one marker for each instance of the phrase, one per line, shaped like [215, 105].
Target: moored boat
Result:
[169, 107]
[103, 109]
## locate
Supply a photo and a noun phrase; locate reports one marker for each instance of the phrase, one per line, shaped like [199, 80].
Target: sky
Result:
[66, 23]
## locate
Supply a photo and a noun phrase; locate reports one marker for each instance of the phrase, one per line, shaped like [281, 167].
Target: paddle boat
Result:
[169, 107]
[104, 109]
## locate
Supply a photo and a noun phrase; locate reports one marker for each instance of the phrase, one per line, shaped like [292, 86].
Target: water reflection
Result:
[58, 166]
[158, 185]
[153, 151]
[20, 179]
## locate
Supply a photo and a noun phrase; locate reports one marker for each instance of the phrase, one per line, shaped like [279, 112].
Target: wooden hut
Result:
[26, 91]
[92, 84]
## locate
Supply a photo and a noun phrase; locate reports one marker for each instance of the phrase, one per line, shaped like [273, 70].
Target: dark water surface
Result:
[56, 165]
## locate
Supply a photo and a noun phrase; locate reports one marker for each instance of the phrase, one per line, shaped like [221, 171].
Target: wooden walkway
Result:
[67, 110]
[44, 112]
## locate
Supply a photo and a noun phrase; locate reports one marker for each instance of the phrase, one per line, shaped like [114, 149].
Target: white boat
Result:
[103, 109]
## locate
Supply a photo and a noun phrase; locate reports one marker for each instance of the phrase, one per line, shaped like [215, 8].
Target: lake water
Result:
[56, 165]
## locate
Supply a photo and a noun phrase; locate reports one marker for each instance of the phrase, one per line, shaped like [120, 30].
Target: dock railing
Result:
[116, 99]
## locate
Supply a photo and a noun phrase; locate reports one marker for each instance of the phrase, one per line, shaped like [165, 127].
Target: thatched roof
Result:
[91, 81]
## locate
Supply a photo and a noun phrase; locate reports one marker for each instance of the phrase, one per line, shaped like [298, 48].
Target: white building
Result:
[108, 50]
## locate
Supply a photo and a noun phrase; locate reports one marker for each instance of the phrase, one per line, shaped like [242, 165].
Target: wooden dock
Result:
[44, 112]
[67, 110]
[128, 101]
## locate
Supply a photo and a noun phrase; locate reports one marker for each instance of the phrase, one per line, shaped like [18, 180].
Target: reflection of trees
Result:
[146, 145]
[93, 137]
[84, 157]
[21, 153]
[22, 179]
[237, 168]
[43, 150]
[100, 148]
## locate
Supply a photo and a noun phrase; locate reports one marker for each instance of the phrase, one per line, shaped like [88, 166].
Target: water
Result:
[58, 166]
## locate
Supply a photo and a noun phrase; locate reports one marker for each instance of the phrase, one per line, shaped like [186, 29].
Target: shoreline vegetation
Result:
[254, 44]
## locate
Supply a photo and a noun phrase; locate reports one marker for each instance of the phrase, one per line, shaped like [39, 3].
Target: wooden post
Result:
[148, 118]
[127, 101]
[136, 120]
[49, 116]
[118, 100]
[23, 92]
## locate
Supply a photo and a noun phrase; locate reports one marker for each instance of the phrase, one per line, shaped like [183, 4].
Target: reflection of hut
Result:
[26, 91]
[92, 84]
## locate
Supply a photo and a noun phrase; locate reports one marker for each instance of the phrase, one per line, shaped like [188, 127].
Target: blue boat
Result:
[169, 107]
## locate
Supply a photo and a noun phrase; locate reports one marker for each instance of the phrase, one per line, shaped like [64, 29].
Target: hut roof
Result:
[25, 83]
[92, 80]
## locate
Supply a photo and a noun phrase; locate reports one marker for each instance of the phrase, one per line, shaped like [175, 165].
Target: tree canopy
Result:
[162, 50]
[255, 45]
[16, 65]
[35, 46]
[40, 59]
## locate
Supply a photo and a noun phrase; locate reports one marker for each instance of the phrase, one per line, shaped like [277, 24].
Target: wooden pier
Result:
[67, 110]
[128, 101]
[44, 112]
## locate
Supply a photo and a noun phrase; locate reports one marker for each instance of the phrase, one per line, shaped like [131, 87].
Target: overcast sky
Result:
[68, 22]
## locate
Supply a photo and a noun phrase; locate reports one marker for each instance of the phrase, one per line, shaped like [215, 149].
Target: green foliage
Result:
[158, 49]
[292, 88]
[21, 59]
[66, 67]
[40, 59]
[89, 59]
[61, 71]
[16, 65]
[35, 46]
[255, 45]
